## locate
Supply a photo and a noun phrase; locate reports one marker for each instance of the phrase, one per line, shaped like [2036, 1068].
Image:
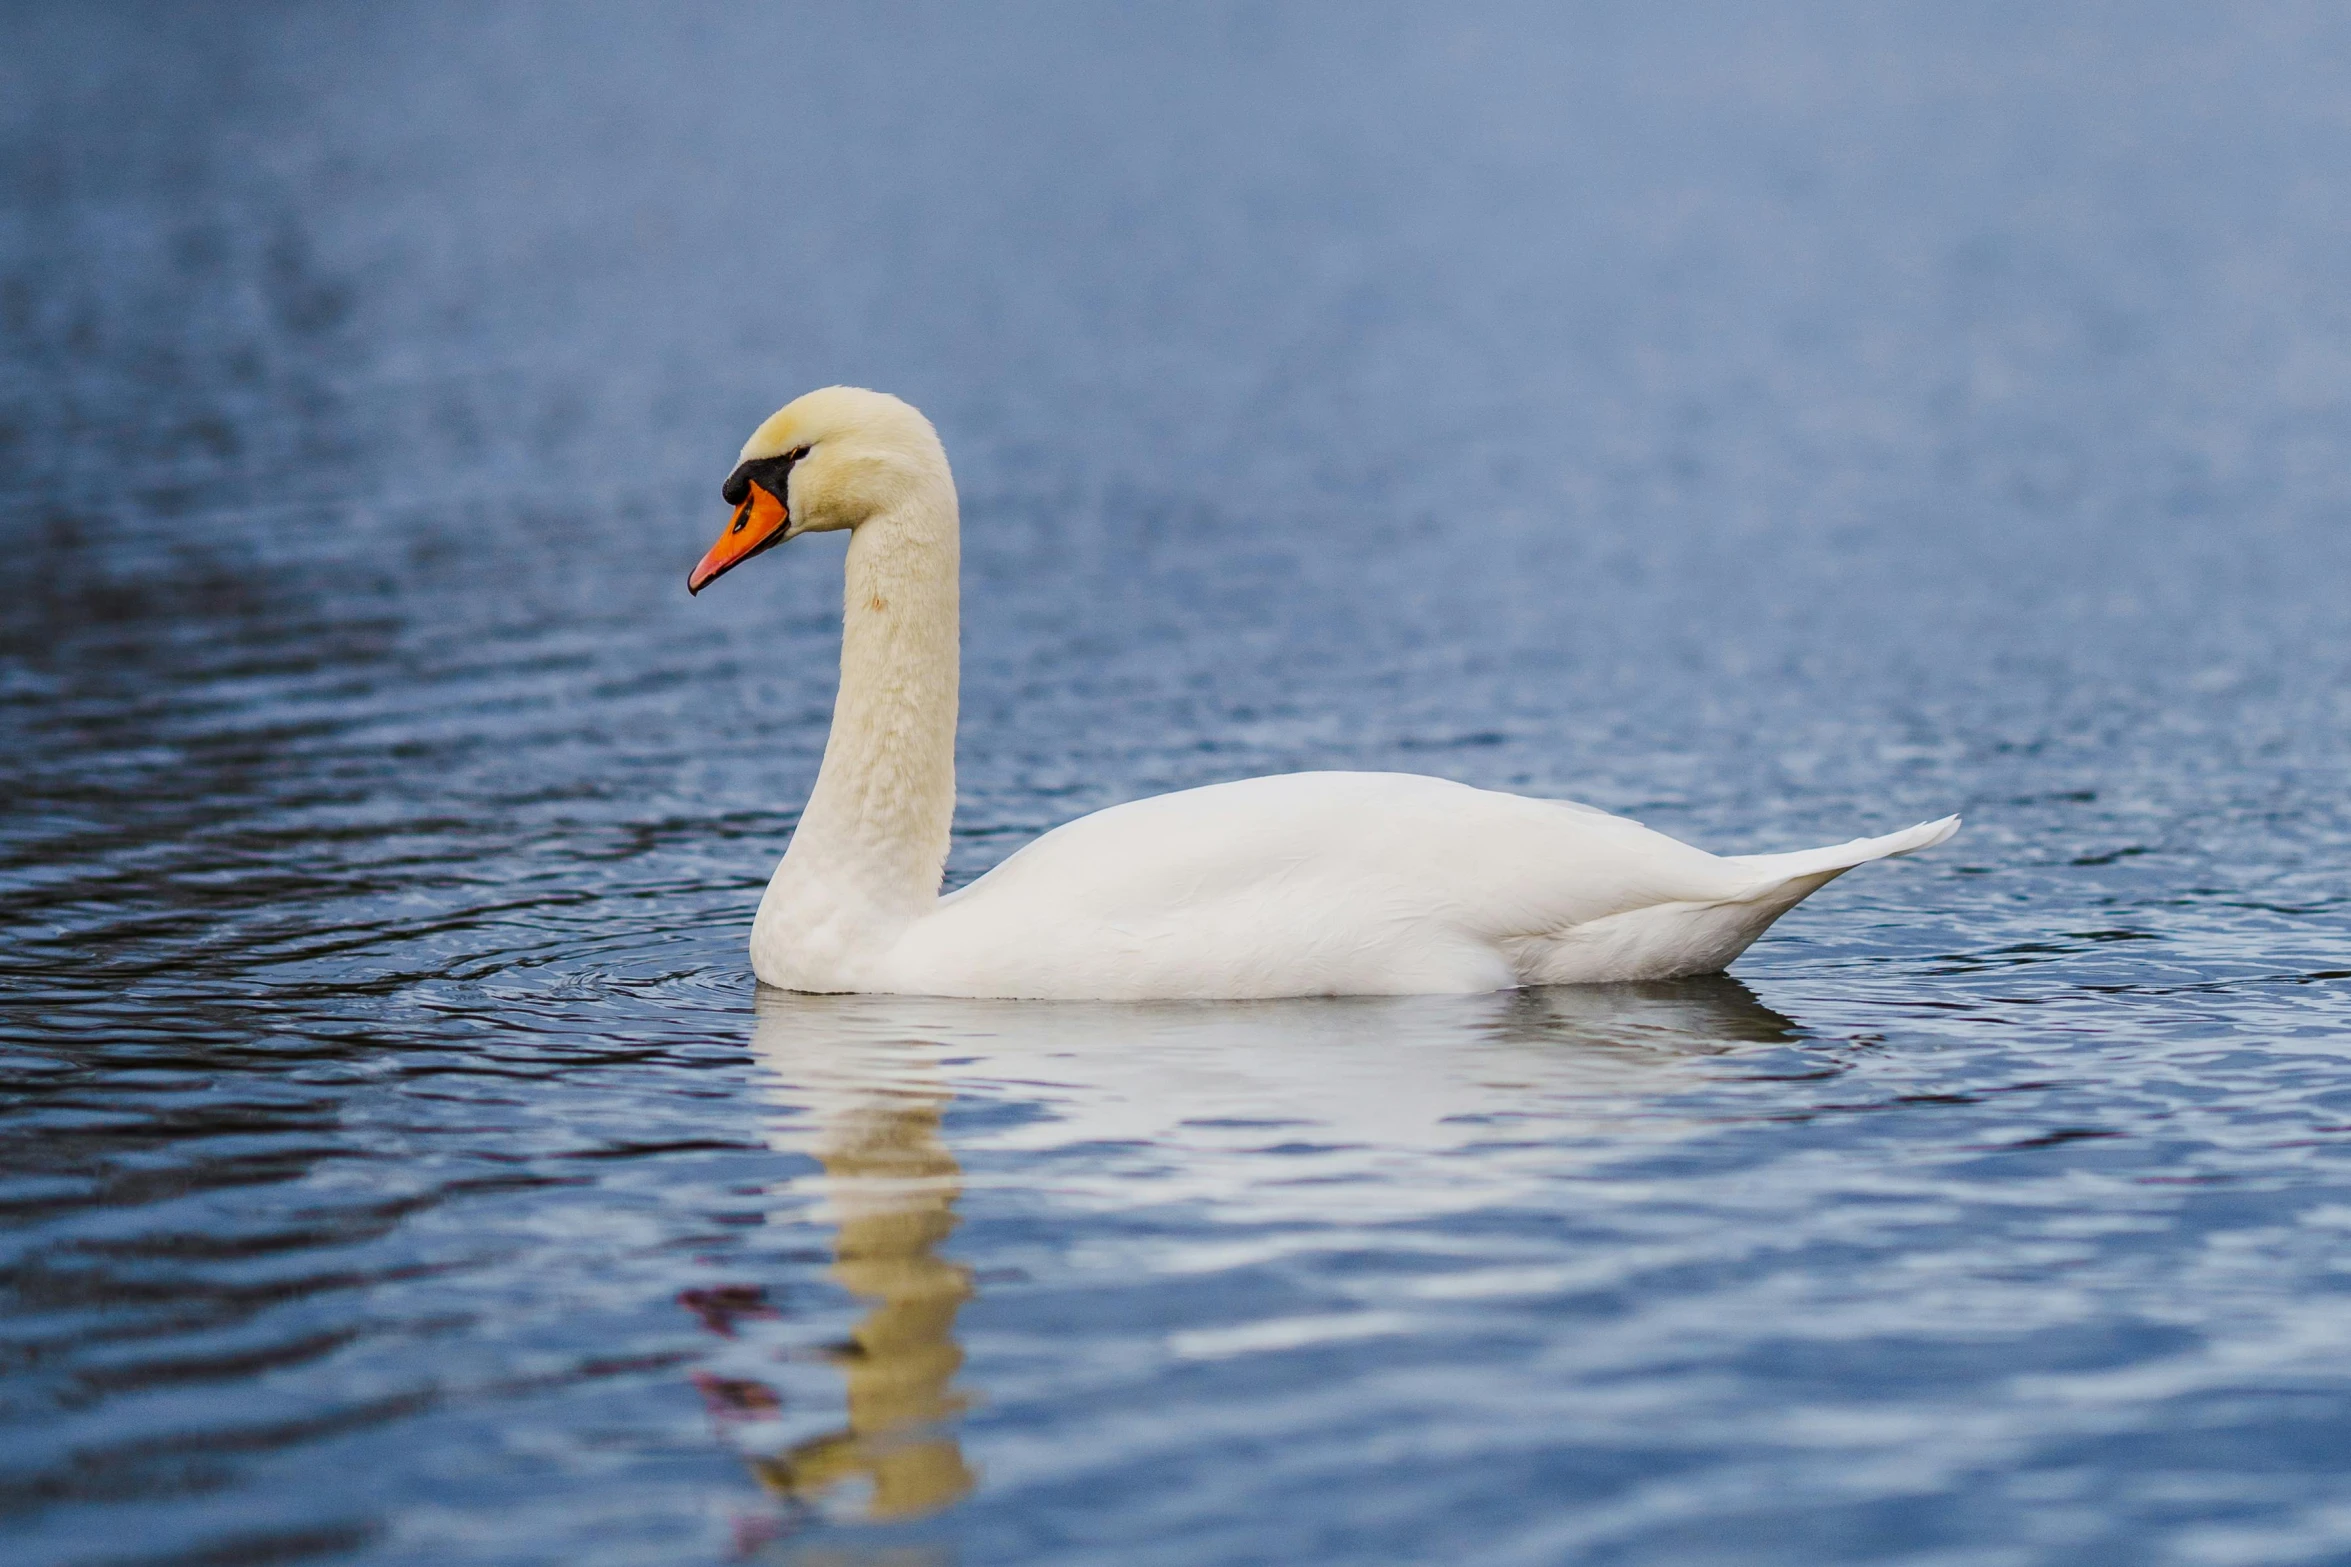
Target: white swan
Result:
[1300, 884]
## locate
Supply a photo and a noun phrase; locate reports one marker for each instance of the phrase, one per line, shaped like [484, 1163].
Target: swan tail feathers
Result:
[1777, 870]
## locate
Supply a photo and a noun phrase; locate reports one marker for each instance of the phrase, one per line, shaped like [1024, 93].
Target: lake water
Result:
[1778, 427]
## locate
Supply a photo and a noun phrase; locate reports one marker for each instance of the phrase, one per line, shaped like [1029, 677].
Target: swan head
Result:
[824, 461]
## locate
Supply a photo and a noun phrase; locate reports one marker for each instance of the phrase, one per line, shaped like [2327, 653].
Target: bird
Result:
[1295, 884]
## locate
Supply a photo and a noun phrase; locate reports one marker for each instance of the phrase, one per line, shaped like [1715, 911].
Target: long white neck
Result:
[872, 842]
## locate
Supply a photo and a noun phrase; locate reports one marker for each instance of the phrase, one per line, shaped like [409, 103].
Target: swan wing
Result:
[1309, 883]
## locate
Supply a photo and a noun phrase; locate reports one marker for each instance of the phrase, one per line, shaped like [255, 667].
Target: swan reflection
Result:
[1395, 1072]
[1704, 1015]
[1178, 1094]
[868, 1111]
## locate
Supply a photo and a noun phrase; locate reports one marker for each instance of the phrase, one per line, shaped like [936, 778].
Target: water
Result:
[1774, 427]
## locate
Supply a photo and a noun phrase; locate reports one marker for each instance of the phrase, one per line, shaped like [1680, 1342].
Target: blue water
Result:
[1775, 423]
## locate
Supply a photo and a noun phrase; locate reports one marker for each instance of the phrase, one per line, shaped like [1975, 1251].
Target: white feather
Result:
[1300, 884]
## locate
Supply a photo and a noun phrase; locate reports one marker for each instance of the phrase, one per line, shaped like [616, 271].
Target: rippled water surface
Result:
[1775, 423]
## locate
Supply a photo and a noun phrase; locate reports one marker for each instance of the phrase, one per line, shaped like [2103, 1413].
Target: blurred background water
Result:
[1775, 423]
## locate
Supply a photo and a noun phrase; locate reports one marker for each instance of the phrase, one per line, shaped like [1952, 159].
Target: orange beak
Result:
[759, 524]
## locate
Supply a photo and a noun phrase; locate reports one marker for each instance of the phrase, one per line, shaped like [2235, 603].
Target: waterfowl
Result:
[1325, 883]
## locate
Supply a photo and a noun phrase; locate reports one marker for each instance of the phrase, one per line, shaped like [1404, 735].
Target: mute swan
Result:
[1299, 884]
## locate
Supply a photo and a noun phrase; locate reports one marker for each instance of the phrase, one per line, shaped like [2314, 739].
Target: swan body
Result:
[1327, 883]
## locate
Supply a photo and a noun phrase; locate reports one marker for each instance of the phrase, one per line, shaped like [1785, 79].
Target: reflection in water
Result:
[1625, 1025]
[1705, 1015]
[870, 1117]
[1369, 1072]
[893, 1186]
[866, 1079]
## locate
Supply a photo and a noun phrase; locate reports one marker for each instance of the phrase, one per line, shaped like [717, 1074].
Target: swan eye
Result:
[769, 473]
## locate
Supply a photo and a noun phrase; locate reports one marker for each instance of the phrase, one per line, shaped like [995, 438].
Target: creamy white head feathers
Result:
[831, 459]
[862, 451]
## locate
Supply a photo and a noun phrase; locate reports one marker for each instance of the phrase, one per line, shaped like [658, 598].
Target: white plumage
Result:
[1299, 884]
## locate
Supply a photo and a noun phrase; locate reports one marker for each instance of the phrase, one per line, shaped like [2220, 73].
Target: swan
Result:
[1326, 883]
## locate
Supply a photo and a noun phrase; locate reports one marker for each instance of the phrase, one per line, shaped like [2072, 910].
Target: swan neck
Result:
[874, 833]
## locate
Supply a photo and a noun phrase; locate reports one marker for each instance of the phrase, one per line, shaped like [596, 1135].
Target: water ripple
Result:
[1771, 429]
